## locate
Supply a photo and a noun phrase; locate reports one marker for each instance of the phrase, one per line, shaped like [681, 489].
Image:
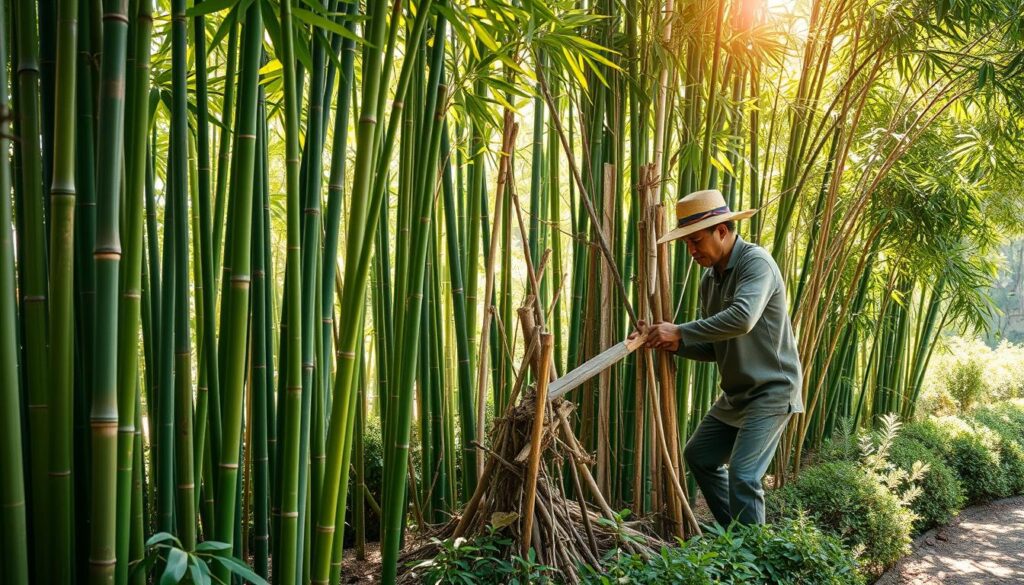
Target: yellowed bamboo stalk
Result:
[533, 466]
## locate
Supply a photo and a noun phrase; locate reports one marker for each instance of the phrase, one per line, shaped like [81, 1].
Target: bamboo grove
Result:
[239, 236]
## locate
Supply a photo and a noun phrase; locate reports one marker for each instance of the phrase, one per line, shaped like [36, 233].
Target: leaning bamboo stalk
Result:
[588, 204]
[533, 465]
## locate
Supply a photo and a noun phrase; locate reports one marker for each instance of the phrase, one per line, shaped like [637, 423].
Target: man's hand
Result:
[661, 335]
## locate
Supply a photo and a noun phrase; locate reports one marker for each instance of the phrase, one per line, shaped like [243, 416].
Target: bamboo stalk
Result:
[62, 238]
[14, 559]
[104, 417]
[239, 283]
[533, 465]
[34, 289]
[129, 306]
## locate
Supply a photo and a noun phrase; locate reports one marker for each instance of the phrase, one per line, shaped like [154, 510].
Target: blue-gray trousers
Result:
[734, 492]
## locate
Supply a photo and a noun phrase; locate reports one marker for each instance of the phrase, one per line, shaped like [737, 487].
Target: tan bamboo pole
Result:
[662, 104]
[533, 466]
[605, 340]
[507, 143]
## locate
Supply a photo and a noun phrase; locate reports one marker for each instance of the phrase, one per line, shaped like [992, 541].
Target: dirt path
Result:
[983, 545]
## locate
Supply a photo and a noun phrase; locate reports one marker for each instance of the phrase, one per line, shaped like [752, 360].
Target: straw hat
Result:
[702, 209]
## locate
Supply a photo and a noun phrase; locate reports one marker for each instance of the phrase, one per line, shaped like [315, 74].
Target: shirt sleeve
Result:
[700, 351]
[753, 290]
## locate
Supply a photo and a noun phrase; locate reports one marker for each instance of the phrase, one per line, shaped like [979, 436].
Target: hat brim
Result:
[682, 232]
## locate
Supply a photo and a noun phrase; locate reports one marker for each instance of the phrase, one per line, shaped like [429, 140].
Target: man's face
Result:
[708, 245]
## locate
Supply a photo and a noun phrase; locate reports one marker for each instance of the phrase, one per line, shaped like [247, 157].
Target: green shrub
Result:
[1010, 441]
[965, 382]
[853, 505]
[929, 434]
[793, 552]
[484, 560]
[842, 445]
[942, 497]
[1014, 413]
[974, 456]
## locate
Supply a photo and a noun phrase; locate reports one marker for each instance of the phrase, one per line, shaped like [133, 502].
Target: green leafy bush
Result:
[1010, 440]
[971, 453]
[966, 382]
[929, 434]
[942, 495]
[482, 561]
[853, 505]
[195, 567]
[974, 455]
[793, 552]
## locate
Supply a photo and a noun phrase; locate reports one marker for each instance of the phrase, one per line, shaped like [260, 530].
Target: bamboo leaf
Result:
[162, 537]
[273, 26]
[225, 25]
[177, 564]
[484, 36]
[575, 68]
[240, 569]
[213, 547]
[195, 573]
[209, 7]
[326, 24]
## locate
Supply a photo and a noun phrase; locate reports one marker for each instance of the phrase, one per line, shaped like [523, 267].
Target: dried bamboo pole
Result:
[540, 401]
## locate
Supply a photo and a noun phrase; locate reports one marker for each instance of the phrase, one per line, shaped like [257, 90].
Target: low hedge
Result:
[863, 513]
[941, 495]
[791, 552]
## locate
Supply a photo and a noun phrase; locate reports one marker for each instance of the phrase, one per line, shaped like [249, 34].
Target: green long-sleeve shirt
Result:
[745, 328]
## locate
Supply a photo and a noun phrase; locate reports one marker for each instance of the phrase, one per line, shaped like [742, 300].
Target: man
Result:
[745, 329]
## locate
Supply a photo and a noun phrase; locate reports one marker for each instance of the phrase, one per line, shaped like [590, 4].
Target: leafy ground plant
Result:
[192, 567]
[792, 552]
[484, 560]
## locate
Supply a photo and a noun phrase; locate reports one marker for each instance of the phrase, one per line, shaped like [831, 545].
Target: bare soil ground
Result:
[984, 545]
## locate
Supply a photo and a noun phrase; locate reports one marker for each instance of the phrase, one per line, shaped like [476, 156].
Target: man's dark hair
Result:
[729, 225]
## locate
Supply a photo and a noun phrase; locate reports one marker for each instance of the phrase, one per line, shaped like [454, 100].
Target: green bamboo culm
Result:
[104, 416]
[209, 379]
[360, 234]
[129, 309]
[396, 458]
[32, 260]
[238, 285]
[183, 481]
[62, 334]
[262, 382]
[285, 571]
[14, 564]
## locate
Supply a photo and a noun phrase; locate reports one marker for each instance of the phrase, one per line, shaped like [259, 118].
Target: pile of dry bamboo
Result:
[568, 530]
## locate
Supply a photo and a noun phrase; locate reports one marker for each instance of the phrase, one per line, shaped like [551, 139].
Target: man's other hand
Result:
[661, 335]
